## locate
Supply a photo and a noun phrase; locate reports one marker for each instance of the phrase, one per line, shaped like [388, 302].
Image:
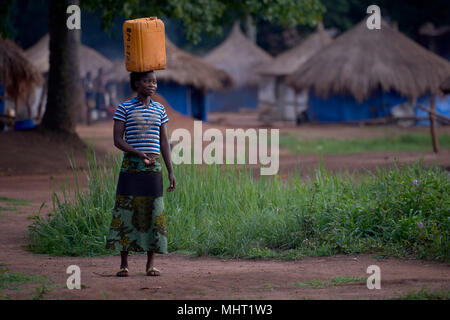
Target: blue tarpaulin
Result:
[442, 107]
[234, 99]
[346, 108]
[186, 100]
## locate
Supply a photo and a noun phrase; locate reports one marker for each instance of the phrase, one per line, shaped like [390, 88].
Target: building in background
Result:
[240, 58]
[183, 84]
[18, 78]
[278, 101]
[39, 54]
[364, 73]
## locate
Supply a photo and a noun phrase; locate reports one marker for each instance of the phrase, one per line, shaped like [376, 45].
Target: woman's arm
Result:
[165, 150]
[119, 130]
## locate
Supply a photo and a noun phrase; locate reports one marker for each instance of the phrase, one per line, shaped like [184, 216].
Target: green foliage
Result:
[80, 219]
[197, 16]
[8, 8]
[347, 279]
[405, 142]
[223, 211]
[318, 284]
[209, 16]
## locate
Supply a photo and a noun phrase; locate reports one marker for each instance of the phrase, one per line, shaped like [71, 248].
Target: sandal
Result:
[153, 272]
[123, 272]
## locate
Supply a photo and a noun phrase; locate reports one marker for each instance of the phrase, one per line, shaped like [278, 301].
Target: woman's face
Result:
[147, 84]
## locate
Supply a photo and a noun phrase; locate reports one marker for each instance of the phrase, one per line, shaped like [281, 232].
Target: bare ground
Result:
[185, 277]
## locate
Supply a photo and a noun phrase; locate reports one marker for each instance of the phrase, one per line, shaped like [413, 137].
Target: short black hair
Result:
[136, 76]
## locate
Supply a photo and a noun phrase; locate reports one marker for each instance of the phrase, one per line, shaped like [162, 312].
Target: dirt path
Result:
[184, 277]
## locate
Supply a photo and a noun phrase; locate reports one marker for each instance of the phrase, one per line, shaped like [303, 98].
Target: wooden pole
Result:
[433, 125]
[437, 115]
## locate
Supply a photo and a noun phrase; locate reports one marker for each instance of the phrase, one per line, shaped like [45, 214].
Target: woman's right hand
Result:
[144, 158]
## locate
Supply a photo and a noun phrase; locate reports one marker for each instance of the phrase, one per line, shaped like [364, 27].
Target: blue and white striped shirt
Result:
[142, 123]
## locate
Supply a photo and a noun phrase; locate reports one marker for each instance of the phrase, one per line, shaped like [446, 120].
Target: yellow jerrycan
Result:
[145, 44]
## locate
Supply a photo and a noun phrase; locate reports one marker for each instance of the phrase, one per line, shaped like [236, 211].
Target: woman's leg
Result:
[149, 259]
[123, 259]
[123, 272]
[154, 271]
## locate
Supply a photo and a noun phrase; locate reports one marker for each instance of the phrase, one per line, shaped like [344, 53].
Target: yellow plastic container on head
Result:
[145, 44]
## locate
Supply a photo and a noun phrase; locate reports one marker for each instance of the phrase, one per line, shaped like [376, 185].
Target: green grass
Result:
[402, 211]
[10, 204]
[318, 284]
[315, 283]
[17, 202]
[425, 294]
[41, 290]
[12, 280]
[347, 279]
[78, 226]
[405, 142]
[8, 208]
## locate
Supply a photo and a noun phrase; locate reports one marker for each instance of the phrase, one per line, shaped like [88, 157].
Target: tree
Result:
[197, 16]
[409, 14]
[65, 94]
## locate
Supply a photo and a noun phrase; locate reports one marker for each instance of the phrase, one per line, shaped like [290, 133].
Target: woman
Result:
[138, 222]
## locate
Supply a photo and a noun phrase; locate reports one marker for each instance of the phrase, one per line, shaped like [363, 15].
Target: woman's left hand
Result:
[172, 182]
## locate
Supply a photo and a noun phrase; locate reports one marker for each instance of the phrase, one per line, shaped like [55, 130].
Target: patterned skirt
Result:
[138, 220]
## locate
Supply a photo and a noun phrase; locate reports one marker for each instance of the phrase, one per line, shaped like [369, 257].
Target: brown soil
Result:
[28, 160]
[185, 277]
[36, 152]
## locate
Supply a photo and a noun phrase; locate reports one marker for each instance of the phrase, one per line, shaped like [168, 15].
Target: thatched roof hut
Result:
[17, 74]
[186, 69]
[362, 61]
[182, 68]
[290, 60]
[90, 60]
[240, 57]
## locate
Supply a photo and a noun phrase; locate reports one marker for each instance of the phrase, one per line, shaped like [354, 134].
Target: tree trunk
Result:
[64, 95]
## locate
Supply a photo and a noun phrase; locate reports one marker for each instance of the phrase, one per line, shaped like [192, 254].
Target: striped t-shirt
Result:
[142, 123]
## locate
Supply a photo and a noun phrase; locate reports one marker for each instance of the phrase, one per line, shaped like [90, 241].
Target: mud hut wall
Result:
[286, 101]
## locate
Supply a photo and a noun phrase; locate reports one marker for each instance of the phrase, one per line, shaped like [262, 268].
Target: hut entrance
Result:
[198, 104]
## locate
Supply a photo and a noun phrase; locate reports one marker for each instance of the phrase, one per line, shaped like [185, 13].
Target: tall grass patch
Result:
[225, 211]
[78, 221]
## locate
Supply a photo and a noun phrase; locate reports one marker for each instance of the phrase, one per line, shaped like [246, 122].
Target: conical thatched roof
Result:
[17, 74]
[90, 60]
[187, 69]
[238, 56]
[182, 68]
[360, 61]
[292, 59]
